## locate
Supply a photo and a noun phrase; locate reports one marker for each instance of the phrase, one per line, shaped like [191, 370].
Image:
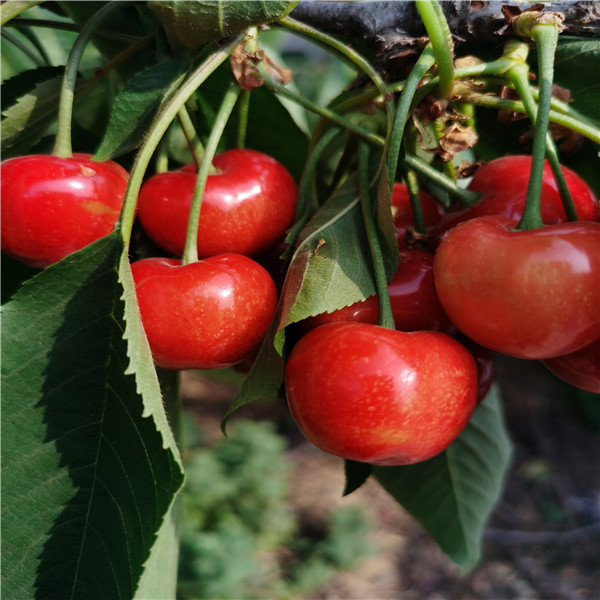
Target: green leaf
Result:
[199, 22]
[331, 267]
[159, 579]
[22, 83]
[137, 103]
[87, 478]
[385, 225]
[453, 493]
[265, 376]
[26, 121]
[356, 474]
[10, 10]
[576, 68]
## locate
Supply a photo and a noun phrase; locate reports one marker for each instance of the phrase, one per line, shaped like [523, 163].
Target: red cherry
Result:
[503, 185]
[246, 207]
[52, 207]
[580, 368]
[380, 396]
[413, 296]
[205, 315]
[530, 294]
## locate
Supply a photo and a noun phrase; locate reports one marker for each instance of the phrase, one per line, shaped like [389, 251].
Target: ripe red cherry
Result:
[580, 368]
[530, 294]
[503, 185]
[380, 396]
[414, 300]
[52, 207]
[246, 207]
[205, 315]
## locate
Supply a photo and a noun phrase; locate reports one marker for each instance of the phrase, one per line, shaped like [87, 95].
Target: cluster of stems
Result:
[434, 72]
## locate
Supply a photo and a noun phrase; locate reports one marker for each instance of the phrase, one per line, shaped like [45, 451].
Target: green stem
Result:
[26, 50]
[190, 250]
[520, 81]
[386, 316]
[167, 113]
[62, 144]
[307, 200]
[356, 59]
[243, 111]
[161, 155]
[496, 67]
[191, 136]
[546, 40]
[425, 61]
[568, 121]
[326, 113]
[438, 131]
[412, 184]
[441, 41]
[464, 196]
[63, 26]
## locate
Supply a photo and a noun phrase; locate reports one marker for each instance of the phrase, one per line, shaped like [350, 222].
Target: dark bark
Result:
[389, 28]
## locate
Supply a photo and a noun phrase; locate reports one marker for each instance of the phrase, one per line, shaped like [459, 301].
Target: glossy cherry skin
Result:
[380, 396]
[503, 186]
[530, 294]
[205, 315]
[413, 297]
[246, 207]
[580, 368]
[52, 207]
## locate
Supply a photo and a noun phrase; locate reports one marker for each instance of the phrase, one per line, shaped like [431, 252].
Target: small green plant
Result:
[236, 515]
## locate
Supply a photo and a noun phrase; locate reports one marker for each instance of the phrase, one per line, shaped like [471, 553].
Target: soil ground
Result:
[543, 539]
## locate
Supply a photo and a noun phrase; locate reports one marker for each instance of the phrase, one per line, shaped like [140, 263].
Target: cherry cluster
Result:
[210, 313]
[475, 284]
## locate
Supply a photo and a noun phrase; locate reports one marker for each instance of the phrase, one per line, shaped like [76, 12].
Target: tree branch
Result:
[390, 28]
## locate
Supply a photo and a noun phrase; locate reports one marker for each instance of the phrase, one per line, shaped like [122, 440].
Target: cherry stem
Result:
[423, 64]
[412, 185]
[190, 250]
[354, 57]
[439, 127]
[192, 139]
[386, 316]
[243, 111]
[307, 202]
[323, 112]
[441, 41]
[569, 121]
[520, 82]
[62, 26]
[38, 61]
[465, 197]
[161, 158]
[307, 199]
[546, 40]
[165, 116]
[62, 144]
